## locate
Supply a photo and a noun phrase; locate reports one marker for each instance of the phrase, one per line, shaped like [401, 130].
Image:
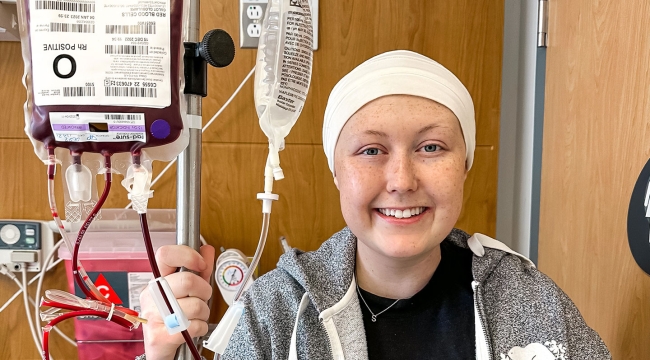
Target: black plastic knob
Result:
[217, 48]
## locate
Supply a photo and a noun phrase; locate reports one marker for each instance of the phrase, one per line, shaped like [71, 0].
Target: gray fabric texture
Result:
[518, 305]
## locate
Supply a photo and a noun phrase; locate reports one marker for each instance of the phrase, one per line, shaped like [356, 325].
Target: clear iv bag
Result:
[283, 70]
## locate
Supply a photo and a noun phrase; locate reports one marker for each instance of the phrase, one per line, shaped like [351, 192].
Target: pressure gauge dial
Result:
[230, 274]
[231, 268]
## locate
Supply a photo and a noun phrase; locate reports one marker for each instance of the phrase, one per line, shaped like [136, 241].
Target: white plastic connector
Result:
[4, 270]
[138, 183]
[267, 201]
[79, 180]
[273, 161]
[175, 321]
[218, 341]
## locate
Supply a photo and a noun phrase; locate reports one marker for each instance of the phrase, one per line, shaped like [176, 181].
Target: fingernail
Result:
[202, 265]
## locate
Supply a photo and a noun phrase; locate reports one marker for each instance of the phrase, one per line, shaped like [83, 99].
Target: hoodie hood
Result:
[326, 273]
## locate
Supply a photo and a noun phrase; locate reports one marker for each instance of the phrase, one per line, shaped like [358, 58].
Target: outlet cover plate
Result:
[247, 42]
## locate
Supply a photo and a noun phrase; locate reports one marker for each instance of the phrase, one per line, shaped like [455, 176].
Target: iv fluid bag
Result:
[283, 70]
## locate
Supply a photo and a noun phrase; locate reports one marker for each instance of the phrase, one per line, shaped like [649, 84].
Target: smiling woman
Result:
[399, 282]
[388, 162]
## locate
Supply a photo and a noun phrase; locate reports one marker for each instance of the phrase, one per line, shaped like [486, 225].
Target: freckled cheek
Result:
[356, 185]
[448, 189]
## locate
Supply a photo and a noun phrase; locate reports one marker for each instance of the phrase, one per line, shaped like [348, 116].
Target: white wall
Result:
[520, 138]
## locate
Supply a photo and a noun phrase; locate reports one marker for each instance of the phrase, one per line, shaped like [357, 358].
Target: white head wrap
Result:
[398, 72]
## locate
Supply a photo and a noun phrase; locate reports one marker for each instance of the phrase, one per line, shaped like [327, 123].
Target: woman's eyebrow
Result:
[428, 127]
[376, 133]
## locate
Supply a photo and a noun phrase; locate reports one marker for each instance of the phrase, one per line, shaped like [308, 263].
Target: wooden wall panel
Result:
[596, 141]
[464, 35]
[12, 92]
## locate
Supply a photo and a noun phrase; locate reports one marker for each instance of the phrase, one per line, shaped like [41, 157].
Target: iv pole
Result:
[188, 170]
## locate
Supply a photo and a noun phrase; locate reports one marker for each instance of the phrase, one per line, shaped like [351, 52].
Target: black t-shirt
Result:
[436, 323]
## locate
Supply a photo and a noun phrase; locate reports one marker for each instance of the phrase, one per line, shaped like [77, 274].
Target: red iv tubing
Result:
[80, 276]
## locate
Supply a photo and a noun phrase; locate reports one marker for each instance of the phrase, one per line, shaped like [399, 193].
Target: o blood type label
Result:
[137, 283]
[101, 52]
[98, 127]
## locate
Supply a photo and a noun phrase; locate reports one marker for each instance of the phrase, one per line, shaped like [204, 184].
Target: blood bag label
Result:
[98, 127]
[137, 283]
[101, 52]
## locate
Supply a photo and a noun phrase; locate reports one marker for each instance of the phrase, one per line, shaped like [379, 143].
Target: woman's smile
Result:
[402, 215]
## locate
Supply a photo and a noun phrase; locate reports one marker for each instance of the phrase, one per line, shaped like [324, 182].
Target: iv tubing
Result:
[65, 316]
[258, 255]
[39, 287]
[156, 273]
[29, 314]
[91, 292]
[51, 169]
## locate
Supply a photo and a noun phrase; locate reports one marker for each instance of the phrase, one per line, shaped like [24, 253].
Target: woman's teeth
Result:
[401, 214]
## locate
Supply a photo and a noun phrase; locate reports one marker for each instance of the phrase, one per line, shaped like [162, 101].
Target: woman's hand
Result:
[192, 292]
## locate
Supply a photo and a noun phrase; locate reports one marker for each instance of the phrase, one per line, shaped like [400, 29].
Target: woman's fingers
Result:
[207, 252]
[171, 257]
[184, 284]
[160, 345]
[194, 308]
[191, 290]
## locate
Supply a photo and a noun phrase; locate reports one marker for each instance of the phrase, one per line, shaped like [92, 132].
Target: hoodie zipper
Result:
[329, 341]
[480, 323]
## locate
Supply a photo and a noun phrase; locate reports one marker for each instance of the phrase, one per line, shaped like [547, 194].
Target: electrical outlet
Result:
[254, 30]
[251, 16]
[254, 12]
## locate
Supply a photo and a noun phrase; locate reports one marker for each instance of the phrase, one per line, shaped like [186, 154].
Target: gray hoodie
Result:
[308, 308]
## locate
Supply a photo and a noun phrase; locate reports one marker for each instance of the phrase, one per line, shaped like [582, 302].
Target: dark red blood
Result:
[41, 129]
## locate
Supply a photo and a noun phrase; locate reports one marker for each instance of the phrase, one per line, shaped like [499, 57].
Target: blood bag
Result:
[104, 76]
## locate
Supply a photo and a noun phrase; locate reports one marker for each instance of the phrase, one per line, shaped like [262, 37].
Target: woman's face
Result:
[400, 169]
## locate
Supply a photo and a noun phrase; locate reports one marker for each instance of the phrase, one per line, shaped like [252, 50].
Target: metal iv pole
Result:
[188, 173]
[217, 49]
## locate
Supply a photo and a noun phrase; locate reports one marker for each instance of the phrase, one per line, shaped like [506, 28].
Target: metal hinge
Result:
[542, 24]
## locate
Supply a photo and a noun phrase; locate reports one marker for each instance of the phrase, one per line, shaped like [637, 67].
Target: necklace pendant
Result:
[374, 318]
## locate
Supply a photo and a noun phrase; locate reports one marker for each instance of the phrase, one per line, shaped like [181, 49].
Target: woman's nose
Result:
[400, 174]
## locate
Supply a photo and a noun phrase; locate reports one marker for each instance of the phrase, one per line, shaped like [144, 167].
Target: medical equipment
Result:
[231, 266]
[109, 83]
[282, 78]
[115, 259]
[134, 52]
[24, 243]
[283, 72]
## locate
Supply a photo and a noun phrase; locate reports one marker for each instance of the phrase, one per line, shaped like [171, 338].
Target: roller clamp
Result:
[176, 321]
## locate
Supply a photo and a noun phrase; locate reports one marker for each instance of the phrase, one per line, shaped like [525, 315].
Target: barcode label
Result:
[147, 29]
[127, 49]
[64, 6]
[131, 92]
[123, 116]
[74, 28]
[79, 91]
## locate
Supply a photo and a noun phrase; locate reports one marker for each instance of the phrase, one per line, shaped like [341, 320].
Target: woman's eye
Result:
[371, 151]
[430, 148]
